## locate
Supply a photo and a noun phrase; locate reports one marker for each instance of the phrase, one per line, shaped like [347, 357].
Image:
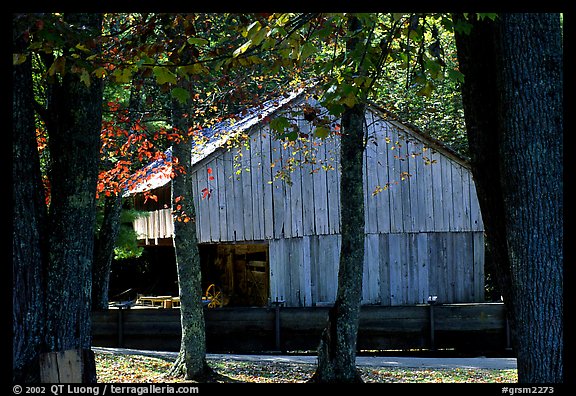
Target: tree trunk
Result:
[191, 360]
[477, 61]
[192, 357]
[513, 106]
[104, 251]
[337, 349]
[530, 85]
[28, 232]
[75, 112]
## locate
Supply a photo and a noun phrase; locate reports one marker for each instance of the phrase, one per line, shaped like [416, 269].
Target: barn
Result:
[268, 216]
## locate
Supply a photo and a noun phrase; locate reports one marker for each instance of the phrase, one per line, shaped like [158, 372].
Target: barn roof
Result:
[158, 173]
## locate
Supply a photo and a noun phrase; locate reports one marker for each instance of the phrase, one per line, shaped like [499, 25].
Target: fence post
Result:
[120, 327]
[431, 302]
[277, 305]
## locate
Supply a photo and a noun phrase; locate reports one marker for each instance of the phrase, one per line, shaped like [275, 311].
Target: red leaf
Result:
[206, 193]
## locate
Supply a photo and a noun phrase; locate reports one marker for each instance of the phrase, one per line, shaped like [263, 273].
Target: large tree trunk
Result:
[28, 220]
[530, 87]
[75, 112]
[513, 105]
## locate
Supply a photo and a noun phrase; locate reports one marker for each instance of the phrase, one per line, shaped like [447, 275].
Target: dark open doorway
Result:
[239, 271]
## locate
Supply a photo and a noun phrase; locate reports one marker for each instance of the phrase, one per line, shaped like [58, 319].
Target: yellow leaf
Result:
[242, 49]
[100, 72]
[85, 77]
[58, 66]
[349, 100]
[18, 59]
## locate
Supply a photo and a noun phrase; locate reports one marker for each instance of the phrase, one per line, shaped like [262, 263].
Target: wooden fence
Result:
[462, 327]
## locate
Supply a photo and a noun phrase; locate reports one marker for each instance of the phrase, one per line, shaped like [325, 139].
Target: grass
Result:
[113, 368]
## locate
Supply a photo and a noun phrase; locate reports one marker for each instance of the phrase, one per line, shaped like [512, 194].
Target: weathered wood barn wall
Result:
[424, 231]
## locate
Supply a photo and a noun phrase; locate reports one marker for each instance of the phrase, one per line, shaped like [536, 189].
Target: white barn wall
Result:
[400, 269]
[424, 232]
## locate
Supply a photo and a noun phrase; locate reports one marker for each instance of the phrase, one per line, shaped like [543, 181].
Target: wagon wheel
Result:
[214, 295]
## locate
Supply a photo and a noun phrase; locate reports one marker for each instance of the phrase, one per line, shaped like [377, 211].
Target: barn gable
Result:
[424, 231]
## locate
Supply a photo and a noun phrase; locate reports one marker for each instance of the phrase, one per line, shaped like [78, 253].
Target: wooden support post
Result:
[432, 300]
[432, 330]
[70, 366]
[277, 305]
[120, 329]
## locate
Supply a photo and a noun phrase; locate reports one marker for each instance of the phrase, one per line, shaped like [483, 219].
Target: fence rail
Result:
[466, 327]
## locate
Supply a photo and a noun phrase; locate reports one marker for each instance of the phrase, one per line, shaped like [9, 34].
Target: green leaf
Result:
[426, 89]
[491, 16]
[321, 132]
[336, 109]
[196, 68]
[256, 33]
[349, 100]
[181, 94]
[279, 124]
[434, 68]
[462, 26]
[306, 50]
[199, 41]
[163, 75]
[122, 75]
[292, 136]
[455, 75]
[268, 43]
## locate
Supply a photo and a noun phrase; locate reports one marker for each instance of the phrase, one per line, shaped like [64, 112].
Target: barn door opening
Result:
[239, 272]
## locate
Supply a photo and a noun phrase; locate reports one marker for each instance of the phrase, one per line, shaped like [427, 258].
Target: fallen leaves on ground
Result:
[119, 368]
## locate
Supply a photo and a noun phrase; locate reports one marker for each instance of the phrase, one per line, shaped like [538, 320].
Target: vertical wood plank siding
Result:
[424, 231]
[399, 269]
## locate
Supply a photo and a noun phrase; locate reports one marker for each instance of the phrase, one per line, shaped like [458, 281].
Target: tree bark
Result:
[337, 349]
[531, 115]
[28, 219]
[477, 61]
[513, 105]
[75, 112]
[191, 360]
